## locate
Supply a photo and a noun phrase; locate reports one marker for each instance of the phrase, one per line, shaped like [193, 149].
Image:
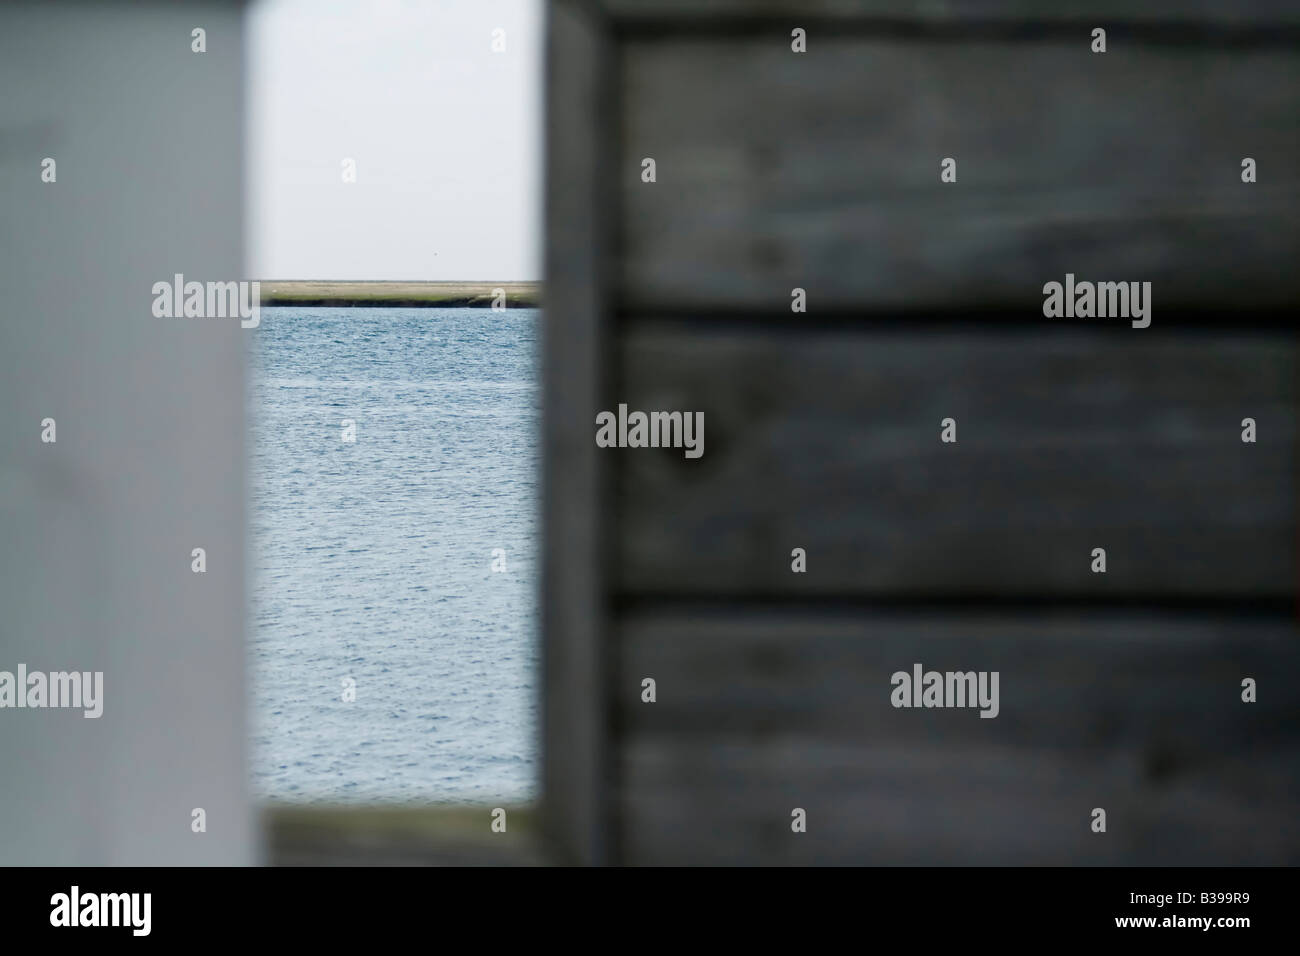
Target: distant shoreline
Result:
[400, 295]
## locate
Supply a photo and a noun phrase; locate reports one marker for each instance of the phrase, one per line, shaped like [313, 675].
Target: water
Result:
[372, 561]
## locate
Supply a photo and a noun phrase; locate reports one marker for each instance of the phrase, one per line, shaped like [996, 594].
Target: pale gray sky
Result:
[446, 135]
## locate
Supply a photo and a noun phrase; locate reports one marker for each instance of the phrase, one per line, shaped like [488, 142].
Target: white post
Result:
[98, 526]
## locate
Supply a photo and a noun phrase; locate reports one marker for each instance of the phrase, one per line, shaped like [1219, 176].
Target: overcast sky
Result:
[445, 133]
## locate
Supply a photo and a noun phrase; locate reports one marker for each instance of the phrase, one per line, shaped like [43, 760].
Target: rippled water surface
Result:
[373, 560]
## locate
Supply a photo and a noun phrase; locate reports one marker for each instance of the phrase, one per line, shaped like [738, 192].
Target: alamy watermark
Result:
[212, 300]
[76, 689]
[75, 908]
[653, 430]
[946, 689]
[1086, 300]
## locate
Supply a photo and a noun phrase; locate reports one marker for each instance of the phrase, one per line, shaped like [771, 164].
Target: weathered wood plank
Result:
[821, 171]
[1165, 688]
[728, 800]
[1068, 440]
[400, 836]
[1139, 714]
[1102, 12]
[574, 799]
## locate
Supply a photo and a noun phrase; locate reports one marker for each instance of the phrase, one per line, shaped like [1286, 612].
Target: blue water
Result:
[372, 561]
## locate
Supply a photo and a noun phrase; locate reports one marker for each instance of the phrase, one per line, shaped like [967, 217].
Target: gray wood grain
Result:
[1068, 440]
[1163, 686]
[1102, 12]
[728, 800]
[822, 171]
[395, 835]
[575, 808]
[1138, 713]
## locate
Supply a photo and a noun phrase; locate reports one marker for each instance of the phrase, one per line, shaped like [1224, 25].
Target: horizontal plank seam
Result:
[737, 603]
[1198, 33]
[1278, 322]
